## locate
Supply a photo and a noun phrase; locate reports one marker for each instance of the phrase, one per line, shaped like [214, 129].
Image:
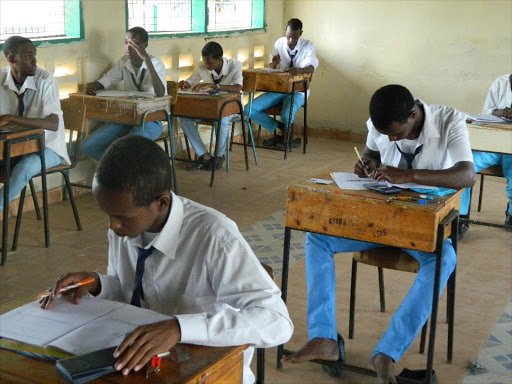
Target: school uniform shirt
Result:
[499, 96]
[203, 272]
[230, 74]
[124, 70]
[41, 99]
[444, 137]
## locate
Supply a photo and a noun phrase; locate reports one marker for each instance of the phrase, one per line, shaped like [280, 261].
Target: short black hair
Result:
[212, 49]
[136, 164]
[140, 34]
[12, 44]
[389, 104]
[294, 24]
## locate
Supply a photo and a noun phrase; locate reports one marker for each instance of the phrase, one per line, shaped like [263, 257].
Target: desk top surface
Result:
[490, 126]
[281, 74]
[219, 98]
[141, 100]
[18, 131]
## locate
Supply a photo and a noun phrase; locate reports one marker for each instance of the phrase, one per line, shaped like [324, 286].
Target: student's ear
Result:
[300, 33]
[10, 59]
[412, 114]
[163, 201]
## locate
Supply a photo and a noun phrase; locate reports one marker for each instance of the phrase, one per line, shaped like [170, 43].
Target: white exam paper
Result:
[349, 180]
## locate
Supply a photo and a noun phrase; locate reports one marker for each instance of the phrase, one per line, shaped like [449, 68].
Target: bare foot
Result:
[384, 367]
[318, 348]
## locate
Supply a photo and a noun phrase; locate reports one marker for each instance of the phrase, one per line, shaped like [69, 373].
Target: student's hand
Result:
[368, 165]
[275, 61]
[392, 175]
[293, 71]
[93, 88]
[68, 279]
[505, 112]
[5, 119]
[139, 48]
[203, 87]
[146, 341]
[183, 84]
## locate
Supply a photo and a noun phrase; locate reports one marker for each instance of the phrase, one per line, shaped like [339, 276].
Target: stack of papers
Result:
[185, 92]
[481, 118]
[349, 180]
[114, 93]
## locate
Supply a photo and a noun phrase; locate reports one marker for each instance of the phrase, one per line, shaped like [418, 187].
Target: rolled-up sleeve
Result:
[237, 75]
[195, 77]
[310, 57]
[492, 100]
[458, 144]
[51, 100]
[160, 70]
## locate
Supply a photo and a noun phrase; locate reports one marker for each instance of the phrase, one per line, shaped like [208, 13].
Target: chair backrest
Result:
[74, 121]
[172, 91]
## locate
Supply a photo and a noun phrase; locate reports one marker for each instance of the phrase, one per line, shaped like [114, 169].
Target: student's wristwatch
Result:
[217, 86]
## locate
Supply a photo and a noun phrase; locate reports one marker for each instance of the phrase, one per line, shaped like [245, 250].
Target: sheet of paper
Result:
[108, 330]
[484, 118]
[115, 93]
[349, 180]
[186, 92]
[33, 325]
[319, 181]
[271, 70]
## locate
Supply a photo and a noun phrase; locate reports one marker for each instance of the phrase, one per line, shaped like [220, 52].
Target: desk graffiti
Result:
[337, 221]
[380, 233]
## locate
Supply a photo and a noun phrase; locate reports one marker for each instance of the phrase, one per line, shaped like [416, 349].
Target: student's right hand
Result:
[506, 113]
[68, 279]
[368, 165]
[92, 88]
[183, 84]
[275, 61]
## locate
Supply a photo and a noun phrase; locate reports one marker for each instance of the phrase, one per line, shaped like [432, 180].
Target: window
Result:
[195, 16]
[51, 20]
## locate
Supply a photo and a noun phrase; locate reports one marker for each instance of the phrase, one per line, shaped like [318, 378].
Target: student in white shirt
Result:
[199, 268]
[215, 72]
[294, 55]
[438, 153]
[29, 96]
[497, 103]
[140, 71]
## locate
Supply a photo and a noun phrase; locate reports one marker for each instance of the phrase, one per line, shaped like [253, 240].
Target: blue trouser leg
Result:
[223, 135]
[25, 169]
[484, 160]
[261, 103]
[298, 101]
[152, 130]
[192, 133]
[409, 317]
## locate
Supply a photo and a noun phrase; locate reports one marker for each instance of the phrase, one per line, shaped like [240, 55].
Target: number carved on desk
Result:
[380, 233]
[337, 221]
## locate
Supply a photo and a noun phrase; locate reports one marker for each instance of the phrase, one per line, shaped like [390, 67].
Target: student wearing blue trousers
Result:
[294, 55]
[497, 103]
[140, 72]
[408, 141]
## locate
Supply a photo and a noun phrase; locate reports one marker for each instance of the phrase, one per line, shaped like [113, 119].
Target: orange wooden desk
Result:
[368, 216]
[19, 142]
[206, 365]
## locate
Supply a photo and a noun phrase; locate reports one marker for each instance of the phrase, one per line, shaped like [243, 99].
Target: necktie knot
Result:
[409, 157]
[138, 292]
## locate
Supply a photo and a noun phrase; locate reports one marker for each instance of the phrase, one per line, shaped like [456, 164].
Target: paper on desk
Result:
[185, 92]
[114, 93]
[482, 118]
[271, 70]
[349, 180]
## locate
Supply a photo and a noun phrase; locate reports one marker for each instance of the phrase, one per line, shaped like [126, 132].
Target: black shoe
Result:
[272, 141]
[199, 164]
[219, 160]
[335, 369]
[508, 219]
[295, 143]
[409, 376]
[462, 229]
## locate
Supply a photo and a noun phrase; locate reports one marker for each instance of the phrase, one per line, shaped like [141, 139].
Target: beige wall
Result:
[445, 52]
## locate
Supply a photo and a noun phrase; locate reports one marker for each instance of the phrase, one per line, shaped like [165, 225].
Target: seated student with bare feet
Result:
[408, 141]
[294, 55]
[177, 257]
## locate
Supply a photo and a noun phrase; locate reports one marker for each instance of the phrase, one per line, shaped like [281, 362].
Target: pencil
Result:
[361, 160]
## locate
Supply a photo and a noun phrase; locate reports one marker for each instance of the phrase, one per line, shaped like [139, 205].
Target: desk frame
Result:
[449, 220]
[39, 137]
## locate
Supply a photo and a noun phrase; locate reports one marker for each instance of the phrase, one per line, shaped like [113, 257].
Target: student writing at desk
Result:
[215, 72]
[408, 141]
[140, 71]
[294, 55]
[497, 103]
[29, 96]
[176, 257]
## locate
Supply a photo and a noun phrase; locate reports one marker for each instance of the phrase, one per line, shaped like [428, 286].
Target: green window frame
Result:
[199, 21]
[73, 26]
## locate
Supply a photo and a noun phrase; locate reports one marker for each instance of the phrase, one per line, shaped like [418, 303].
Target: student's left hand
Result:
[146, 341]
[203, 87]
[4, 119]
[293, 71]
[139, 48]
[392, 175]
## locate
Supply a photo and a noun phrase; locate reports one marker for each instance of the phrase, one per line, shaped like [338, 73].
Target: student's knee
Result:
[449, 257]
[315, 241]
[27, 168]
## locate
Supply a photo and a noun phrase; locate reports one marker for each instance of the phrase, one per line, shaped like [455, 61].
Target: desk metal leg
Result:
[284, 283]
[45, 192]
[171, 144]
[5, 224]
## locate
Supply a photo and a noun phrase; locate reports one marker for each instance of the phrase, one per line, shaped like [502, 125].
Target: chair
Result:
[260, 352]
[394, 258]
[495, 170]
[74, 121]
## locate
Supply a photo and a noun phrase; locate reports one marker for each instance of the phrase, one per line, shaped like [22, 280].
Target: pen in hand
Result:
[362, 162]
[89, 280]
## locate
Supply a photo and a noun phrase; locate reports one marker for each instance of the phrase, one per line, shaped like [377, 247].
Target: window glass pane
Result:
[226, 15]
[160, 15]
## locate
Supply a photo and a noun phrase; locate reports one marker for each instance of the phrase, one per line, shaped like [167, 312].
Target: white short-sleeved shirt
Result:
[41, 99]
[444, 137]
[230, 74]
[124, 70]
[499, 96]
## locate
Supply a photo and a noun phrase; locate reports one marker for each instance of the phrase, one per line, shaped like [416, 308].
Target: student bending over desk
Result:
[174, 256]
[29, 96]
[294, 55]
[140, 71]
[408, 141]
[498, 103]
[215, 72]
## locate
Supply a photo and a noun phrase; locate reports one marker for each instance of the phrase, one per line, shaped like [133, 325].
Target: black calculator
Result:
[382, 188]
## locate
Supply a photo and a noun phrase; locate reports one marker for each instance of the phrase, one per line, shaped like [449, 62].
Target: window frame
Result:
[62, 40]
[204, 32]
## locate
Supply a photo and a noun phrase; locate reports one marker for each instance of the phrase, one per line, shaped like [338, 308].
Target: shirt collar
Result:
[297, 46]
[430, 129]
[128, 64]
[224, 71]
[28, 83]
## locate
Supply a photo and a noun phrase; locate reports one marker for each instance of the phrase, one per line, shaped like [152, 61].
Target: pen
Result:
[408, 198]
[426, 197]
[89, 280]
[361, 160]
[163, 354]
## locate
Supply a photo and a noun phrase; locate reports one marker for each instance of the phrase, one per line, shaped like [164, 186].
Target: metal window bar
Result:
[41, 19]
[160, 15]
[229, 14]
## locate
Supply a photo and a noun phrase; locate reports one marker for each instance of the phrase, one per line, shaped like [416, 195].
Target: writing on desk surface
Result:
[337, 221]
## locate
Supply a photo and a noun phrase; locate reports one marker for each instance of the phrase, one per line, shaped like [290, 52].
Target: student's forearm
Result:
[50, 123]
[371, 155]
[461, 175]
[308, 69]
[158, 87]
[230, 88]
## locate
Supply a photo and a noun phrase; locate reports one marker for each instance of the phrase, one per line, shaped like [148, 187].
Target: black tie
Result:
[409, 157]
[138, 293]
[139, 84]
[292, 56]
[21, 104]
[217, 81]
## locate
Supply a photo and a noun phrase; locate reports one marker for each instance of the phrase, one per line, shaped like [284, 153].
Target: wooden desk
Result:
[368, 216]
[21, 141]
[206, 365]
[491, 137]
